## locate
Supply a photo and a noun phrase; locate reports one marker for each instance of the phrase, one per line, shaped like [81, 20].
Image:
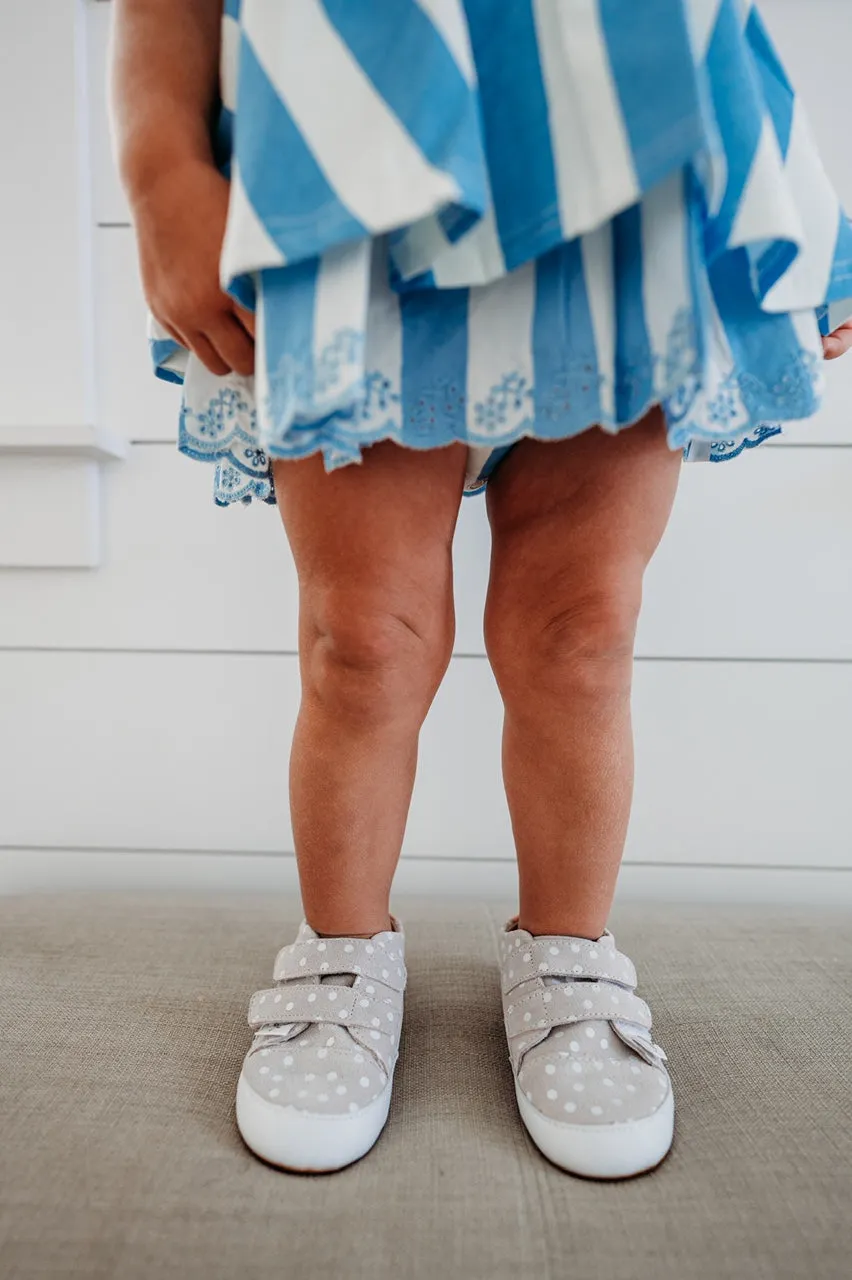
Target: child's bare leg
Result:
[574, 525]
[372, 545]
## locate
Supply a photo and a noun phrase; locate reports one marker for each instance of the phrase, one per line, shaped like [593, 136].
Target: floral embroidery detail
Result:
[512, 392]
[256, 457]
[355, 408]
[436, 412]
[220, 414]
[724, 408]
[724, 450]
[378, 395]
[576, 389]
[344, 350]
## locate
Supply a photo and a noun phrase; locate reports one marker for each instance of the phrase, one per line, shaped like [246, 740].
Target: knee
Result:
[371, 661]
[566, 642]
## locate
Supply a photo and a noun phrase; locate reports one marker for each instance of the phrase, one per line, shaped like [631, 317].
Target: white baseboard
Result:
[57, 870]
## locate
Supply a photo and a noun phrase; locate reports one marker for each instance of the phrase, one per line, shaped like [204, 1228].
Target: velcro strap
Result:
[321, 1002]
[318, 957]
[563, 958]
[561, 1003]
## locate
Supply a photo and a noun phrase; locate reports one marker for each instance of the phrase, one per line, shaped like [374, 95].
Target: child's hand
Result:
[837, 343]
[180, 224]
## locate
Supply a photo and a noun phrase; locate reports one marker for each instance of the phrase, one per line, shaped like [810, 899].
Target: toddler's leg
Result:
[372, 546]
[574, 525]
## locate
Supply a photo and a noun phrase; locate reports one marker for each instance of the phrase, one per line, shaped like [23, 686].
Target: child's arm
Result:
[164, 66]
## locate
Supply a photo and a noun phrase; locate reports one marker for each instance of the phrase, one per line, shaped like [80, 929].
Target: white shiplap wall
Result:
[147, 703]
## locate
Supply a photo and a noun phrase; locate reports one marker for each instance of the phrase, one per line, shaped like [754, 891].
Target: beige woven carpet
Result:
[122, 1032]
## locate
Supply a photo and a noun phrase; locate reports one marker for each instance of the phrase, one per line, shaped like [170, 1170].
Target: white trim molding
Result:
[51, 447]
[65, 442]
[161, 871]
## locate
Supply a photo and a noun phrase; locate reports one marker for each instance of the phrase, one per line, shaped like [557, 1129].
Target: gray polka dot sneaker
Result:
[316, 1083]
[590, 1082]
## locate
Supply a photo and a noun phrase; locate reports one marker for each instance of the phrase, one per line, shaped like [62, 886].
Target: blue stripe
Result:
[566, 372]
[242, 290]
[651, 49]
[739, 114]
[403, 55]
[761, 343]
[161, 350]
[223, 141]
[279, 172]
[515, 110]
[770, 260]
[231, 8]
[434, 365]
[634, 359]
[777, 89]
[289, 303]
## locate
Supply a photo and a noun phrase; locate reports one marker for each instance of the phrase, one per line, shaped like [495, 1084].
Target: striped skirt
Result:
[479, 220]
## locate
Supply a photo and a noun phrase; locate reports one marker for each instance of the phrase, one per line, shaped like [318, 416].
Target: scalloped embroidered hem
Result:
[244, 474]
[714, 409]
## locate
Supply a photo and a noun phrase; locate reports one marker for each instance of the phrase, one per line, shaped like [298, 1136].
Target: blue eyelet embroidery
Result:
[512, 392]
[362, 408]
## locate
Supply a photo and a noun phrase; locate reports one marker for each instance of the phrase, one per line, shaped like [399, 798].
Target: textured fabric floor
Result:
[121, 1035]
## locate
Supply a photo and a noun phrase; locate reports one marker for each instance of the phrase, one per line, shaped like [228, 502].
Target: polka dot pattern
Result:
[606, 1069]
[524, 957]
[337, 1052]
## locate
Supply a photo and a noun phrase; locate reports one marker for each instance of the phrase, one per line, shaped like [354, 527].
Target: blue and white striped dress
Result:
[480, 220]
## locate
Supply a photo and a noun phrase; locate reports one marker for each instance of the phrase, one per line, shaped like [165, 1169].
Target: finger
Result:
[208, 354]
[232, 344]
[837, 344]
[246, 318]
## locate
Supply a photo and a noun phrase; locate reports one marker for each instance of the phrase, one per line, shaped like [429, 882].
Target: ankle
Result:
[338, 928]
[562, 926]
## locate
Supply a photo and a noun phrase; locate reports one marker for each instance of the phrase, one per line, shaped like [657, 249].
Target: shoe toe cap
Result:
[332, 1084]
[592, 1091]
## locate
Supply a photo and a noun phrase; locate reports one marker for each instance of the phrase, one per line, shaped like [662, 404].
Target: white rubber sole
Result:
[303, 1142]
[602, 1150]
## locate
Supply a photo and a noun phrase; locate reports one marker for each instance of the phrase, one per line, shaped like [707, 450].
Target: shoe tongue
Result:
[306, 934]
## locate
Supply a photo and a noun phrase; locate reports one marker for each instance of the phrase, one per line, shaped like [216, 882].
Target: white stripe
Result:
[475, 259]
[247, 246]
[767, 209]
[702, 15]
[499, 346]
[806, 282]
[340, 314]
[595, 174]
[229, 59]
[600, 290]
[666, 284]
[420, 246]
[448, 18]
[369, 159]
